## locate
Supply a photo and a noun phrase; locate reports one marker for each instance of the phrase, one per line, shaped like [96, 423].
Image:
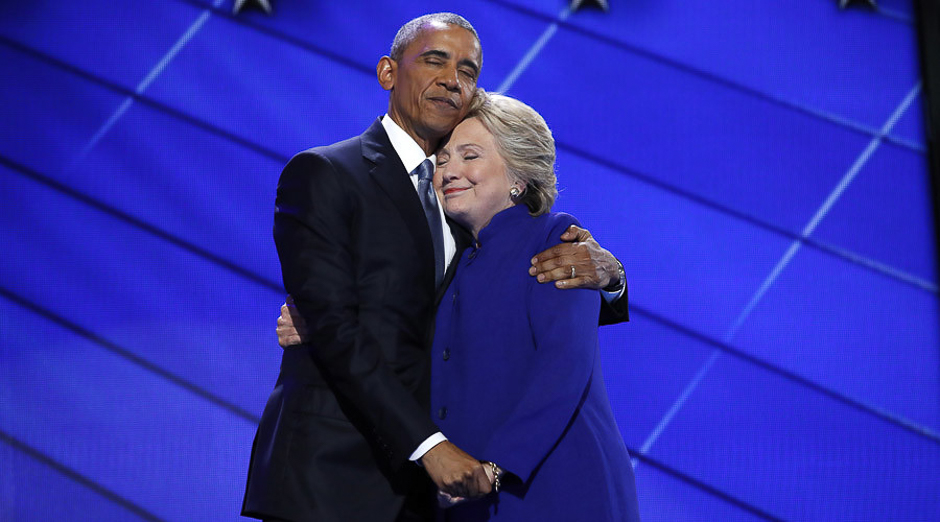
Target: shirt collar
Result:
[405, 146]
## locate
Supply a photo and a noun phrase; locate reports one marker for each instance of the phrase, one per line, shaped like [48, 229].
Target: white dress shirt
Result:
[411, 156]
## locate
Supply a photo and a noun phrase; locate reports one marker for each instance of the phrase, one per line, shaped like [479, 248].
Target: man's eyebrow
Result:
[436, 52]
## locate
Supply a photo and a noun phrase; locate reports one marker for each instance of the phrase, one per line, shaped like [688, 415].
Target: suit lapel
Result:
[463, 239]
[388, 172]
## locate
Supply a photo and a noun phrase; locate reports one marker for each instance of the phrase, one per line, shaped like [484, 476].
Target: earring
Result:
[514, 192]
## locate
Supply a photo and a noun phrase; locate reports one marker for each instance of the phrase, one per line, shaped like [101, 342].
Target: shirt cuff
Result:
[613, 295]
[426, 446]
[610, 297]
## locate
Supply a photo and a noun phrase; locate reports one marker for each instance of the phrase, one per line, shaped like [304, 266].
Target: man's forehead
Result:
[436, 30]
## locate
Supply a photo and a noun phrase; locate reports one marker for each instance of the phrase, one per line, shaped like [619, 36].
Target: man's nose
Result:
[449, 79]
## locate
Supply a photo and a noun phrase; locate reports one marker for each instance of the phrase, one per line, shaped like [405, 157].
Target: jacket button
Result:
[442, 413]
[446, 354]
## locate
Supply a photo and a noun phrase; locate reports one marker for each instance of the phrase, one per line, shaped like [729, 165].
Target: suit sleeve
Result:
[615, 312]
[313, 230]
[555, 380]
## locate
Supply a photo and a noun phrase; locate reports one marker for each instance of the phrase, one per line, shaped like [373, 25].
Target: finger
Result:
[568, 257]
[550, 253]
[489, 473]
[563, 254]
[564, 273]
[456, 489]
[483, 484]
[569, 284]
[553, 272]
[576, 233]
[287, 340]
[286, 316]
[570, 234]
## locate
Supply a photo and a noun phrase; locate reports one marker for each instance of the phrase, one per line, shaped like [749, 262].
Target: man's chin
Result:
[445, 125]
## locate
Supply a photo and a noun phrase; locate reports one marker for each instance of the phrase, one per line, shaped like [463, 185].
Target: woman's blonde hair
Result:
[525, 143]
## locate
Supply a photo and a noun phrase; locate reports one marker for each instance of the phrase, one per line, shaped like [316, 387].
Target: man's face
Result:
[433, 83]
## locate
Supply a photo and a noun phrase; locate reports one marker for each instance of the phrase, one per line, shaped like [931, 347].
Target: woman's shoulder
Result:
[554, 224]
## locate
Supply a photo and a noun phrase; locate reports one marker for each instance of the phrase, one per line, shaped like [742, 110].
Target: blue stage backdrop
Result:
[758, 166]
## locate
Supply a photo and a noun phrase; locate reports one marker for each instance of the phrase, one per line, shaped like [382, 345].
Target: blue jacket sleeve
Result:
[554, 381]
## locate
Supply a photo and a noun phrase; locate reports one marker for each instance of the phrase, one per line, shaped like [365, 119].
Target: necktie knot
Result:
[425, 170]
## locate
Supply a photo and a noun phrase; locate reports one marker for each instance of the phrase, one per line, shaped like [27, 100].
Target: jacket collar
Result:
[388, 172]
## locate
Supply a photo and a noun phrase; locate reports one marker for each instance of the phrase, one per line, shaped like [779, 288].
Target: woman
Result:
[516, 377]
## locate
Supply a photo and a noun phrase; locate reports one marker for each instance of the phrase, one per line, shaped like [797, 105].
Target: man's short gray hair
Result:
[411, 29]
[525, 143]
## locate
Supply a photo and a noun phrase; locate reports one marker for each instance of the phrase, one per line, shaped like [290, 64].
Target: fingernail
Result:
[541, 277]
[535, 260]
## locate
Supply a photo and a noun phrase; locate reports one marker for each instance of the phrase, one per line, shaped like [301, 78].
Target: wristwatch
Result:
[621, 281]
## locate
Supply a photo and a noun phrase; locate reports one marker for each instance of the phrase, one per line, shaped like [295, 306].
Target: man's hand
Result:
[456, 473]
[579, 262]
[445, 501]
[291, 328]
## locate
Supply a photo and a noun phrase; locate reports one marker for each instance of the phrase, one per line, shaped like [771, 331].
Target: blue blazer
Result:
[516, 379]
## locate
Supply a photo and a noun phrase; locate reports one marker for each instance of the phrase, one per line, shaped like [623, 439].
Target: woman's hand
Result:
[291, 328]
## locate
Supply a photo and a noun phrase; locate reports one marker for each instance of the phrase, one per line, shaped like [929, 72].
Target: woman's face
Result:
[471, 178]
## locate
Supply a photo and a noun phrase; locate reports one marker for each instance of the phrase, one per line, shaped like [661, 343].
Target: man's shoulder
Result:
[340, 149]
[352, 148]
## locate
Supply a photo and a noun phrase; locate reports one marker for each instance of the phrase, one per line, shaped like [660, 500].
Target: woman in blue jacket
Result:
[516, 377]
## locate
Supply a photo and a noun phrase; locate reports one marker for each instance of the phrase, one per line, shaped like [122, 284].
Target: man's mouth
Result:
[442, 100]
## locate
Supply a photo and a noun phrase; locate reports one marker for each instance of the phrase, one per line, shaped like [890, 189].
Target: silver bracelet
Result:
[496, 473]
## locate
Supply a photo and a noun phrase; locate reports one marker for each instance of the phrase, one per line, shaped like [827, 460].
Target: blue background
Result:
[759, 168]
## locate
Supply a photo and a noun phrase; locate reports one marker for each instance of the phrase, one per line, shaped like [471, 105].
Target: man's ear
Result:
[385, 71]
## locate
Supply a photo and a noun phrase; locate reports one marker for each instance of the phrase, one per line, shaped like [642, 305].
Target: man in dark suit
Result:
[346, 431]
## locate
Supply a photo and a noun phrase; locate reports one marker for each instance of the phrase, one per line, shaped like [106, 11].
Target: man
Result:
[346, 434]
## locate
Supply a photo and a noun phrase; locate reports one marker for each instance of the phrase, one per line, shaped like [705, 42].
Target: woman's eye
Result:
[470, 157]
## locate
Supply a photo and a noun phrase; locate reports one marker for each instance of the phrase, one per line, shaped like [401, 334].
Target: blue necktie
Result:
[428, 198]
